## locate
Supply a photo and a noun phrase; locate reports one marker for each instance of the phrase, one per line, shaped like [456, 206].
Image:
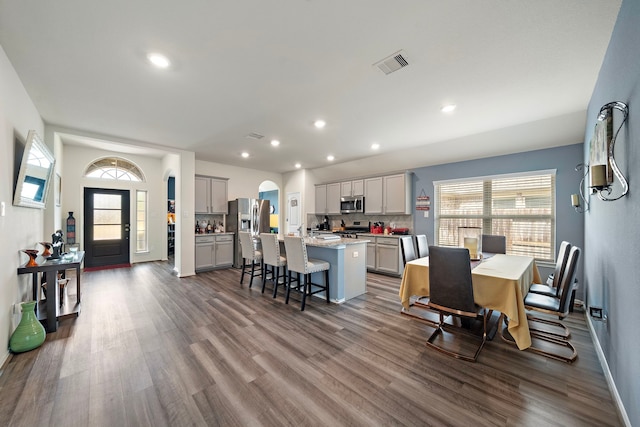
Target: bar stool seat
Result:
[250, 254]
[298, 262]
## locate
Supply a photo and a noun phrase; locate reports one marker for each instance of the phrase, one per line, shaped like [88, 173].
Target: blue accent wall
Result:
[612, 229]
[272, 197]
[569, 223]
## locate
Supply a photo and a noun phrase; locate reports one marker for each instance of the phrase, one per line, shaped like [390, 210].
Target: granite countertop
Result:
[313, 241]
[382, 235]
[213, 234]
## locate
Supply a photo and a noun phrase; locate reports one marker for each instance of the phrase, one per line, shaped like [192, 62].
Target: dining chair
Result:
[407, 248]
[552, 288]
[451, 293]
[422, 245]
[298, 262]
[494, 244]
[249, 254]
[272, 261]
[556, 306]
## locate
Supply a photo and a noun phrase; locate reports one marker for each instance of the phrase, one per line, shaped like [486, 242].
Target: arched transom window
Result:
[114, 168]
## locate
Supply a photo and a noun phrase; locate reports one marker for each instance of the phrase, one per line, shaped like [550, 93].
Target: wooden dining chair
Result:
[451, 294]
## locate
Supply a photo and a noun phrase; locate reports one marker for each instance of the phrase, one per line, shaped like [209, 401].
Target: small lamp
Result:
[471, 238]
[575, 198]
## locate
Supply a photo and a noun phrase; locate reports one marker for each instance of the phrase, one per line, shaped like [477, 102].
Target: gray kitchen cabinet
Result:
[373, 196]
[333, 198]
[321, 199]
[352, 188]
[328, 199]
[384, 256]
[223, 251]
[214, 251]
[204, 252]
[396, 194]
[211, 195]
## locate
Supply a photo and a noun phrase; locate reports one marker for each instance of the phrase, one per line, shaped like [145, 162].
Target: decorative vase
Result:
[33, 254]
[30, 333]
[47, 249]
[71, 229]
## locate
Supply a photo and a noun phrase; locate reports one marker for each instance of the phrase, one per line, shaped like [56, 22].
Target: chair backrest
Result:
[270, 248]
[422, 245]
[408, 251]
[561, 265]
[494, 244]
[569, 275]
[296, 251]
[248, 245]
[450, 284]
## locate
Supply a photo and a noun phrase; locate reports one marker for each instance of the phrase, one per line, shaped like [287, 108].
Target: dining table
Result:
[500, 283]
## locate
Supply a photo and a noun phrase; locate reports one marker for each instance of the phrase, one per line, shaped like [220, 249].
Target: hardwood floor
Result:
[149, 349]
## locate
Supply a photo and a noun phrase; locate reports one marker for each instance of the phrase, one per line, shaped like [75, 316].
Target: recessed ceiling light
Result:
[319, 124]
[275, 142]
[330, 158]
[298, 165]
[245, 154]
[158, 60]
[448, 108]
[375, 146]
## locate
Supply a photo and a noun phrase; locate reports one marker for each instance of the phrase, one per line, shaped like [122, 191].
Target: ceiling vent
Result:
[254, 135]
[393, 63]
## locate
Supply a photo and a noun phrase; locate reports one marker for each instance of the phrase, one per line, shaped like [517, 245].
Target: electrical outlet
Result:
[355, 254]
[595, 312]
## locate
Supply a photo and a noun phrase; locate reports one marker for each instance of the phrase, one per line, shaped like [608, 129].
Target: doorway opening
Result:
[269, 190]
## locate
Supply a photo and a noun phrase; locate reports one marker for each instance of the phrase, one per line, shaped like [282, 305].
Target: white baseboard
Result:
[607, 374]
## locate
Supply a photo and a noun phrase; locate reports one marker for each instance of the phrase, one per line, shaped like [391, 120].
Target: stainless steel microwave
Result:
[352, 204]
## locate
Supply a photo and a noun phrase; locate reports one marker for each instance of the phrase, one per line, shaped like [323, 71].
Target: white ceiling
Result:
[273, 67]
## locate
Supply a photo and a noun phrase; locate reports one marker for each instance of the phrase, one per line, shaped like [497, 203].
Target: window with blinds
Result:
[520, 207]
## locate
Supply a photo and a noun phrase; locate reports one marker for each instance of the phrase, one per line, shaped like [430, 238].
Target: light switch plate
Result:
[2, 209]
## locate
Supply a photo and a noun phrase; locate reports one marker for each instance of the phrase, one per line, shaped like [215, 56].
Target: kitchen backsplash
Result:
[395, 221]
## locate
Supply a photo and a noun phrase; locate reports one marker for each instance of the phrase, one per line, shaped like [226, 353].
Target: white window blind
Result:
[520, 207]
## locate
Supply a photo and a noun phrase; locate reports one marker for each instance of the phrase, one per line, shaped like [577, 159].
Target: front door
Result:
[106, 227]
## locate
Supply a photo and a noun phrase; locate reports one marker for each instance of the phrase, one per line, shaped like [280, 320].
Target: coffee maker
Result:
[325, 223]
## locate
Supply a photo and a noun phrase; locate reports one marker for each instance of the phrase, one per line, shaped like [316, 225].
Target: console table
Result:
[51, 311]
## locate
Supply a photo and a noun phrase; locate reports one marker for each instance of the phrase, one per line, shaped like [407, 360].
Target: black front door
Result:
[106, 227]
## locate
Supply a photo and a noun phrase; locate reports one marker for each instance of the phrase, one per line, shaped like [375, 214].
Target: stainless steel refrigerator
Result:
[250, 215]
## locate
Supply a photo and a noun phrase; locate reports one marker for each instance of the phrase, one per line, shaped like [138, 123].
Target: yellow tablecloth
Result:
[499, 283]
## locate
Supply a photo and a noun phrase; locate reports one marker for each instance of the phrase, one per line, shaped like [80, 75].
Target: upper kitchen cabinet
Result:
[352, 188]
[388, 195]
[328, 199]
[373, 196]
[211, 195]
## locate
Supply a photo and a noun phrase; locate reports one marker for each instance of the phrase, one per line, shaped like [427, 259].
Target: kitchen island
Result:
[348, 260]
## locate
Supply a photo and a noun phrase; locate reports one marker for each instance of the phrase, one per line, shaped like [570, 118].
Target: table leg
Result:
[34, 285]
[52, 305]
[78, 284]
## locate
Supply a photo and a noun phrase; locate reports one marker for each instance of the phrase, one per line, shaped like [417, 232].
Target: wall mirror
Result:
[35, 173]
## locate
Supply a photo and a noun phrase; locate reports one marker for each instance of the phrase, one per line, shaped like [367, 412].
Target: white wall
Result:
[20, 228]
[77, 159]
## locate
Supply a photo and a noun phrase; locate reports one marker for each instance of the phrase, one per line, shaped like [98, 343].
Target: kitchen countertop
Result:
[343, 241]
[383, 235]
[213, 234]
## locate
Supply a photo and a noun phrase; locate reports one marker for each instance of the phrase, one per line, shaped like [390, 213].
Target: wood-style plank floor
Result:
[150, 349]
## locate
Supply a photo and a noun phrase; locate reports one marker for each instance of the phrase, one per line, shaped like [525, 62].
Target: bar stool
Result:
[272, 260]
[249, 253]
[299, 263]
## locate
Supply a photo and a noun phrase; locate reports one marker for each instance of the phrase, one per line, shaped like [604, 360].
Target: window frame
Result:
[145, 221]
[487, 218]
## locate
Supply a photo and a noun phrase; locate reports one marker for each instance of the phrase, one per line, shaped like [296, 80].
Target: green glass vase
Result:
[30, 333]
